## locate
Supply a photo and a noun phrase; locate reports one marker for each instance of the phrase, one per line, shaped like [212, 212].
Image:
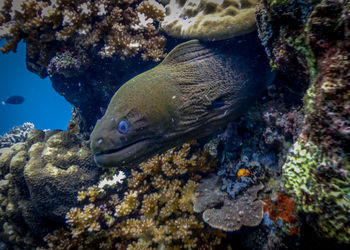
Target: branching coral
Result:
[129, 204]
[125, 28]
[82, 220]
[160, 215]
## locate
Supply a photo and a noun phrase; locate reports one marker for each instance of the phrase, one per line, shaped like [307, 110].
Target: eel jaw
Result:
[124, 156]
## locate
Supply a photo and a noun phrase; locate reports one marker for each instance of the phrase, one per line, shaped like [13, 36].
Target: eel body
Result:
[198, 88]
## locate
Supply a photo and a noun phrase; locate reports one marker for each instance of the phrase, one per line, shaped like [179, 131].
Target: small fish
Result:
[212, 84]
[16, 99]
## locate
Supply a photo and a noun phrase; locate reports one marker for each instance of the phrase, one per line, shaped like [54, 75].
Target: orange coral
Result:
[285, 210]
[243, 172]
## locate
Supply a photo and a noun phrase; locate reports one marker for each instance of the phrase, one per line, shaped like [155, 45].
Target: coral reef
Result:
[123, 27]
[40, 179]
[208, 19]
[281, 29]
[156, 210]
[256, 145]
[314, 37]
[300, 154]
[15, 135]
[85, 219]
[221, 212]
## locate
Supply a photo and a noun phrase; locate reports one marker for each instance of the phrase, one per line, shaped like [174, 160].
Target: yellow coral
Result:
[92, 193]
[138, 182]
[141, 244]
[150, 205]
[209, 19]
[136, 227]
[129, 204]
[243, 172]
[176, 162]
[165, 217]
[85, 220]
[188, 196]
[181, 228]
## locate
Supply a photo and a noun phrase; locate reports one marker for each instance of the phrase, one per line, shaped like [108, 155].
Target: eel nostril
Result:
[99, 141]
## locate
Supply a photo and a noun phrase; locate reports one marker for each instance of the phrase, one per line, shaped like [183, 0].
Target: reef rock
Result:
[224, 213]
[311, 38]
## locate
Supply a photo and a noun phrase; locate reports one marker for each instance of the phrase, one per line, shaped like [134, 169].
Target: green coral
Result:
[320, 183]
[300, 45]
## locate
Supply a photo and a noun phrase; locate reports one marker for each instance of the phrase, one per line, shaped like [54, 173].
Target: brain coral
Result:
[209, 19]
[39, 180]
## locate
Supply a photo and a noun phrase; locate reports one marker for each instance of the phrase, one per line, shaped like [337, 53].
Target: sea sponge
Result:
[209, 19]
[282, 210]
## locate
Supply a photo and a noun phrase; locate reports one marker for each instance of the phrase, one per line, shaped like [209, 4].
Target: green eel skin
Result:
[198, 88]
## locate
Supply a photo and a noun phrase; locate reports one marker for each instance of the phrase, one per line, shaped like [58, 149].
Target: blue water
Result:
[42, 105]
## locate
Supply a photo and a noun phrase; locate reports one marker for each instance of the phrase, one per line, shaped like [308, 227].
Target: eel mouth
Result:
[123, 154]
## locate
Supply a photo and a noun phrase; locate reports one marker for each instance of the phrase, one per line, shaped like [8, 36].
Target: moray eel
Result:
[198, 88]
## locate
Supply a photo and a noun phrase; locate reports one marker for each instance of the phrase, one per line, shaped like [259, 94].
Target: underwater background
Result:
[42, 107]
[175, 124]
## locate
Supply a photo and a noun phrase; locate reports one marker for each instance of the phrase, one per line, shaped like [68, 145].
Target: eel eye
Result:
[123, 127]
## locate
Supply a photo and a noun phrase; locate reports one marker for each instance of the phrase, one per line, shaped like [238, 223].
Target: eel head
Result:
[133, 125]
